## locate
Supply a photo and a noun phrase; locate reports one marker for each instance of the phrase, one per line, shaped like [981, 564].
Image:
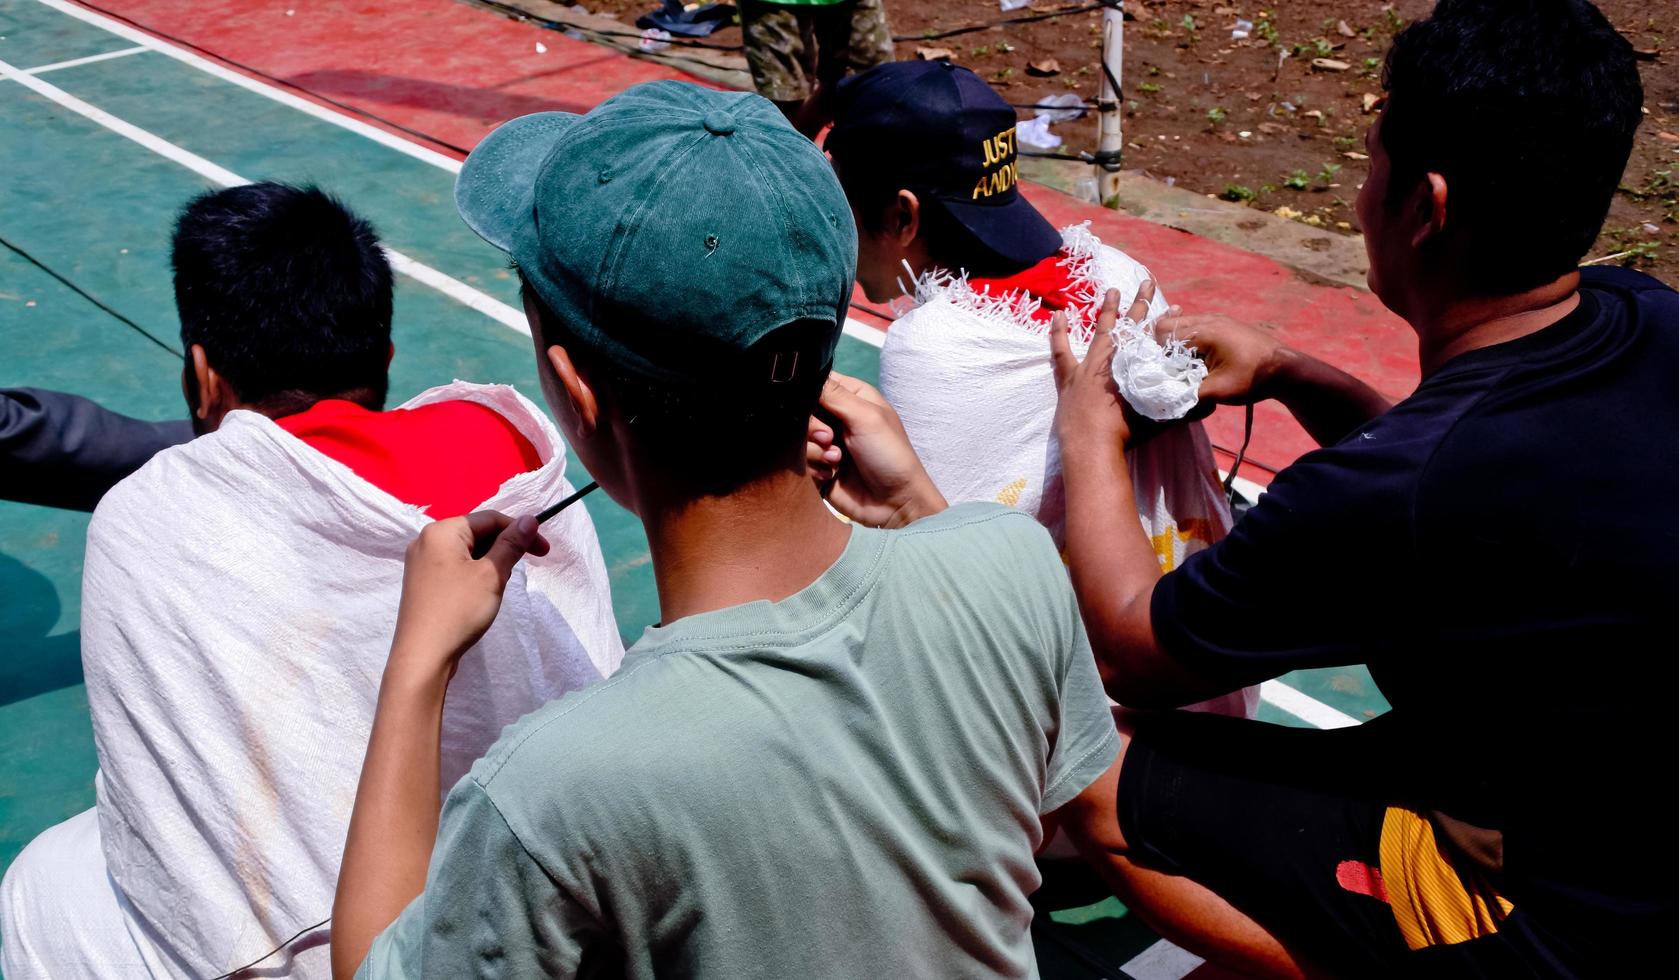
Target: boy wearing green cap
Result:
[834, 755]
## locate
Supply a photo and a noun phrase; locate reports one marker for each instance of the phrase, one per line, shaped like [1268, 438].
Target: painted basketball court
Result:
[106, 129]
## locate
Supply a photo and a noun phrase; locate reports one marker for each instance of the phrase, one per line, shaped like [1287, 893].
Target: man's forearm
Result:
[394, 823]
[1112, 564]
[1114, 572]
[1328, 402]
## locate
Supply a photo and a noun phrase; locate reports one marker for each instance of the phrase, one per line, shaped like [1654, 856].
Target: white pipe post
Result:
[1111, 142]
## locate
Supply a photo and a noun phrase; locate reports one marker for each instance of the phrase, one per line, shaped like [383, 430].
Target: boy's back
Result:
[846, 782]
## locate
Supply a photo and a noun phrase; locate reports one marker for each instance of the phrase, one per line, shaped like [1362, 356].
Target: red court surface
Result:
[444, 73]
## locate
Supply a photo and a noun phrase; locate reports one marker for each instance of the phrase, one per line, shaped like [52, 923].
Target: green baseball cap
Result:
[670, 230]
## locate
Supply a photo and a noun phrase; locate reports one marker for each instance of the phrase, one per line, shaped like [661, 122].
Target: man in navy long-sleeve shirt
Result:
[62, 450]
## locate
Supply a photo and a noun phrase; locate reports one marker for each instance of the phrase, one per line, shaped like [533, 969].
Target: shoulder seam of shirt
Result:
[552, 877]
[1073, 767]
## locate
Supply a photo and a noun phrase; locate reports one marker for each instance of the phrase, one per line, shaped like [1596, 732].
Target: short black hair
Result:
[720, 434]
[951, 245]
[289, 293]
[1527, 108]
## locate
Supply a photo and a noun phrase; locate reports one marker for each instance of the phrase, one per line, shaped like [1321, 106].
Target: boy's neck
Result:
[767, 540]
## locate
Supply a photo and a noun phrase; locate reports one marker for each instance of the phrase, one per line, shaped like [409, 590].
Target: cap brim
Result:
[1015, 231]
[495, 191]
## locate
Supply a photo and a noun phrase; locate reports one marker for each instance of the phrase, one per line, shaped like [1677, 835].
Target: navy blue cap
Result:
[939, 128]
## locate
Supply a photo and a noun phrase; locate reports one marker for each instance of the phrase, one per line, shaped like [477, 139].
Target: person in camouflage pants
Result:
[799, 49]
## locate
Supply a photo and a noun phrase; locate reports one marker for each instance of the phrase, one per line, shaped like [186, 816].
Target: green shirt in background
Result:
[846, 783]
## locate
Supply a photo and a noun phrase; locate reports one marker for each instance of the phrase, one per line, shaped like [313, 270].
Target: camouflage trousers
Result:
[790, 48]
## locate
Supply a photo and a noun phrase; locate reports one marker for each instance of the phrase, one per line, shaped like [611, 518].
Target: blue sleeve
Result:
[62, 450]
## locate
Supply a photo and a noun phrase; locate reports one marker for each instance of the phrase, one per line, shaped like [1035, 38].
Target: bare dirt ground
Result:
[1235, 118]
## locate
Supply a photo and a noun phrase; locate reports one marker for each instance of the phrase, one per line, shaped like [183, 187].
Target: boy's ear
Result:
[906, 216]
[580, 393]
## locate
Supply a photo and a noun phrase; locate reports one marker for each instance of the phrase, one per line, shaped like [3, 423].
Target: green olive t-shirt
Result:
[846, 783]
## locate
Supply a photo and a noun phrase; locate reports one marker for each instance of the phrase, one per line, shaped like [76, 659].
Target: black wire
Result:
[1052, 155]
[519, 13]
[84, 294]
[1027, 19]
[554, 23]
[1247, 437]
[293, 939]
[886, 315]
[508, 10]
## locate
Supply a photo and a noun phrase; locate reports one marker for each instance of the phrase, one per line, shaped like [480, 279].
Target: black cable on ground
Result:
[84, 294]
[1026, 19]
[555, 24]
[518, 14]
[1052, 155]
[562, 25]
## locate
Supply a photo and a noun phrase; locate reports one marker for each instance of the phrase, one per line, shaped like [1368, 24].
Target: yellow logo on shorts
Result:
[999, 152]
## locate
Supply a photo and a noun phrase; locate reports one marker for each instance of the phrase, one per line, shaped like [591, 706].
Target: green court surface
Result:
[96, 207]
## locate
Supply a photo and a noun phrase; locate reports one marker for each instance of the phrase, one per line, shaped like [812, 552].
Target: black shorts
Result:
[1286, 824]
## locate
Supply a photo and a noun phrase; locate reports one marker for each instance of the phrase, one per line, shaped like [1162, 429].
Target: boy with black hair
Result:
[237, 606]
[834, 754]
[1506, 545]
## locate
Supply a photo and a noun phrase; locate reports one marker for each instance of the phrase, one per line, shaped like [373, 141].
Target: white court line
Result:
[1279, 695]
[90, 59]
[263, 89]
[1162, 961]
[872, 336]
[1303, 706]
[418, 271]
[853, 329]
[1245, 486]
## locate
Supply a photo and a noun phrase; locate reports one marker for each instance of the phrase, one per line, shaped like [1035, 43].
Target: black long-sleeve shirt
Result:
[62, 450]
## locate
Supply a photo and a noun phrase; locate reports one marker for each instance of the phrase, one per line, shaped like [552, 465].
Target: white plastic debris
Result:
[1242, 31]
[1007, 5]
[1160, 381]
[541, 48]
[1062, 107]
[654, 39]
[1035, 132]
